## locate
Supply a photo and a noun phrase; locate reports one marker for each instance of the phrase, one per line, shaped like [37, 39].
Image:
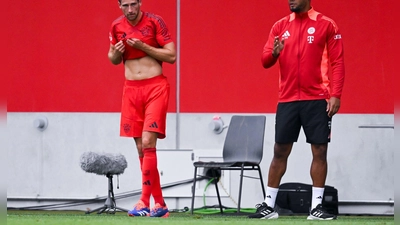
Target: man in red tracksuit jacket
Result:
[307, 45]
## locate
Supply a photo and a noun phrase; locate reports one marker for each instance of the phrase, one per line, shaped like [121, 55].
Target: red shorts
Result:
[144, 106]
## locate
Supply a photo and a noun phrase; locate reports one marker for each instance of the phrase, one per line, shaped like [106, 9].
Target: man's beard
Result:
[296, 9]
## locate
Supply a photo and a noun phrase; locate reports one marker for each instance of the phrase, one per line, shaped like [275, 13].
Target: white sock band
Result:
[317, 195]
[270, 197]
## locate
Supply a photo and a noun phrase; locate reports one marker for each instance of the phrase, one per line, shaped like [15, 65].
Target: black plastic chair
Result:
[242, 150]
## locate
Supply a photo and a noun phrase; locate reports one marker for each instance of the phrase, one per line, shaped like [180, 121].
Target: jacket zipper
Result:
[298, 59]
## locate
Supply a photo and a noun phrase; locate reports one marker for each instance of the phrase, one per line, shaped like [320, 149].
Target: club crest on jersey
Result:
[146, 31]
[311, 30]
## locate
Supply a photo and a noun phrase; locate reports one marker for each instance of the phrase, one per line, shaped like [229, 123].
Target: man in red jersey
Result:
[304, 42]
[141, 41]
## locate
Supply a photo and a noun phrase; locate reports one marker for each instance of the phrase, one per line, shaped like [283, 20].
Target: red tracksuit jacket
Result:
[313, 46]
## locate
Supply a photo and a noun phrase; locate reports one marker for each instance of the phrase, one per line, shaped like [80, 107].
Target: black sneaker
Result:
[319, 213]
[264, 212]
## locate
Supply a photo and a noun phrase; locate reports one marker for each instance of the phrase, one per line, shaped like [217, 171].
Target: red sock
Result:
[156, 190]
[141, 162]
[149, 172]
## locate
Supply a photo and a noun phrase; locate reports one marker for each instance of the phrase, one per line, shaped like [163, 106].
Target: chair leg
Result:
[262, 181]
[217, 190]
[240, 188]
[193, 189]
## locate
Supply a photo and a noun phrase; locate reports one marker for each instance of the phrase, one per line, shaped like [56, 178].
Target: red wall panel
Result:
[59, 56]
[370, 67]
[223, 45]
[56, 55]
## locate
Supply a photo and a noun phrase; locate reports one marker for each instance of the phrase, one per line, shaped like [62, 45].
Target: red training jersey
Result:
[151, 29]
[312, 46]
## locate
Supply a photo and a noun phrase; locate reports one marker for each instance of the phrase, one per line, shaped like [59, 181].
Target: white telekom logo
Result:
[310, 39]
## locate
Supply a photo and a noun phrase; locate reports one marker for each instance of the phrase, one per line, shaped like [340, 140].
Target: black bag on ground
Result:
[295, 198]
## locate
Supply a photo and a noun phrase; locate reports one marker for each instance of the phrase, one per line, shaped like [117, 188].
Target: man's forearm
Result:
[114, 58]
[162, 54]
[268, 59]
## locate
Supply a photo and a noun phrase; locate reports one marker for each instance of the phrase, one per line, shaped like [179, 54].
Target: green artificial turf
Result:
[22, 217]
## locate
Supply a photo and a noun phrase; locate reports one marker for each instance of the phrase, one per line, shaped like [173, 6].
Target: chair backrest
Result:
[244, 140]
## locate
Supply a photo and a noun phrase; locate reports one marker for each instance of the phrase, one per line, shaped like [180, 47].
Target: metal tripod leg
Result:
[109, 205]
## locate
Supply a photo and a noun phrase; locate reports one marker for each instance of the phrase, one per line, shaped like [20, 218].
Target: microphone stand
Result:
[110, 205]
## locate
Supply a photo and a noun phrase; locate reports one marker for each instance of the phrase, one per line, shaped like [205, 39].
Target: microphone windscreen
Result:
[103, 163]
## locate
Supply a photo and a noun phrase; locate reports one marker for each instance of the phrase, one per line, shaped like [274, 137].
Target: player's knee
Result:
[148, 142]
[319, 151]
[282, 151]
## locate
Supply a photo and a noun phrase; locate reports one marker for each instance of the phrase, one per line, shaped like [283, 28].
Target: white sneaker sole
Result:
[317, 218]
[271, 216]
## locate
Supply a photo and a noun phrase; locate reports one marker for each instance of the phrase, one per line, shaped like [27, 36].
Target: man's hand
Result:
[278, 46]
[115, 52]
[333, 106]
[167, 53]
[136, 43]
[119, 48]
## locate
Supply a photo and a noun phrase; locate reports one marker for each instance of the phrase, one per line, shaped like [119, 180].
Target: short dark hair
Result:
[119, 1]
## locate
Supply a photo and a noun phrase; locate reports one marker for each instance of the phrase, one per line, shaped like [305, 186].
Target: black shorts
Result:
[311, 115]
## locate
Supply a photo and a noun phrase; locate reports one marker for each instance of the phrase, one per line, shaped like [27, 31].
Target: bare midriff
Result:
[142, 68]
